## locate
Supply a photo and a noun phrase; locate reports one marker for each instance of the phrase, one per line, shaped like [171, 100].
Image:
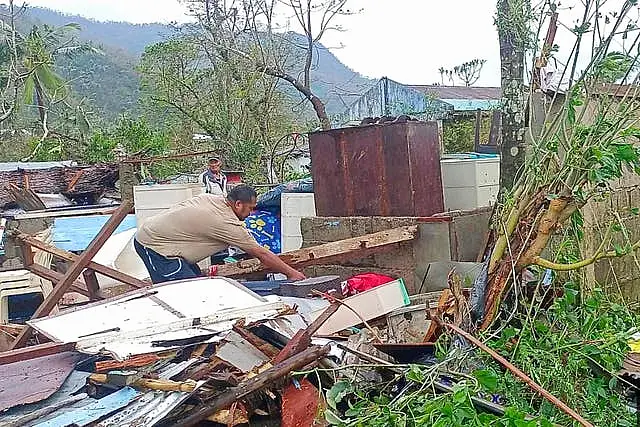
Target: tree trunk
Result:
[512, 147]
[40, 101]
[318, 105]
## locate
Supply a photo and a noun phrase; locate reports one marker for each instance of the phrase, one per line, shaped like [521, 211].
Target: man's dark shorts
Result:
[163, 269]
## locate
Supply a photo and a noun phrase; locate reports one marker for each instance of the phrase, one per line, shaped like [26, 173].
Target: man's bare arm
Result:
[274, 263]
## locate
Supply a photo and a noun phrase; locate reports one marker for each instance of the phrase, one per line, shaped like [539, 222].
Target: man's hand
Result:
[296, 275]
[273, 262]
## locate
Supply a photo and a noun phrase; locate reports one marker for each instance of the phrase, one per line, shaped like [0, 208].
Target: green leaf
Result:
[619, 249]
[336, 393]
[415, 374]
[460, 395]
[332, 418]
[635, 211]
[487, 378]
[613, 382]
[626, 153]
[509, 333]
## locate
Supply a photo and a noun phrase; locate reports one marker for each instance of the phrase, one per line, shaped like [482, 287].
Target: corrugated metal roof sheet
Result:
[94, 410]
[36, 379]
[74, 382]
[460, 92]
[153, 405]
[147, 410]
[14, 166]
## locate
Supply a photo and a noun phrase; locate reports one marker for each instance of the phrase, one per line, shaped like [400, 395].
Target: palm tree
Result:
[42, 85]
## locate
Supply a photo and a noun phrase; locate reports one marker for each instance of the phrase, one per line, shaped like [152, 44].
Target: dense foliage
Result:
[573, 348]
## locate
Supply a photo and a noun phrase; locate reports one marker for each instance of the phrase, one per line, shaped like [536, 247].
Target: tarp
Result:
[75, 233]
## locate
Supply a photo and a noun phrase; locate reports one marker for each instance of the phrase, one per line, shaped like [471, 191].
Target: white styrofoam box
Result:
[142, 214]
[469, 198]
[460, 198]
[488, 172]
[369, 304]
[297, 204]
[470, 183]
[163, 196]
[151, 200]
[290, 226]
[294, 207]
[461, 172]
[291, 243]
[488, 193]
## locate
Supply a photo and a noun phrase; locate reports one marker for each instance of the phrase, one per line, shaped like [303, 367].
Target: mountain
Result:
[110, 83]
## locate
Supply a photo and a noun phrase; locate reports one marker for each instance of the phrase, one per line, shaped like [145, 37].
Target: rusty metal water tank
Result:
[390, 169]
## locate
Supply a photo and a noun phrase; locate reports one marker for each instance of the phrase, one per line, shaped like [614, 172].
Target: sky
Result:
[405, 40]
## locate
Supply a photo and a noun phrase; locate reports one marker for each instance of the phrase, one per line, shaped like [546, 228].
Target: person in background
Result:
[172, 243]
[214, 181]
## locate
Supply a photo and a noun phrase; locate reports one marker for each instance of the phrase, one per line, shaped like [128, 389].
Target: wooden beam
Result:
[56, 277]
[71, 257]
[25, 198]
[356, 247]
[93, 286]
[76, 269]
[262, 380]
[478, 127]
[34, 351]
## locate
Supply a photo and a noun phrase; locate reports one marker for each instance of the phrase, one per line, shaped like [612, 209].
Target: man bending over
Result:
[173, 242]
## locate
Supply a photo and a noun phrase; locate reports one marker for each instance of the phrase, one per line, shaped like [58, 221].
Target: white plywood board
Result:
[369, 305]
[136, 311]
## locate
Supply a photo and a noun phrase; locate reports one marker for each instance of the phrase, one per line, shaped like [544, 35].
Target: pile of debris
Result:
[183, 352]
[80, 184]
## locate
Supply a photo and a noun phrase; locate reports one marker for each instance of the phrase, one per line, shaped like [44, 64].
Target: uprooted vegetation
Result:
[531, 304]
[573, 348]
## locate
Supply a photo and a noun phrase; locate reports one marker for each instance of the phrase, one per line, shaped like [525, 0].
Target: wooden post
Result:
[127, 173]
[74, 271]
[93, 286]
[496, 126]
[27, 254]
[476, 138]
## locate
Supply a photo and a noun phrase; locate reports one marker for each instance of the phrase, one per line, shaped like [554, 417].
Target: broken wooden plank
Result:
[302, 339]
[26, 198]
[356, 247]
[260, 381]
[34, 351]
[69, 256]
[55, 277]
[93, 286]
[75, 269]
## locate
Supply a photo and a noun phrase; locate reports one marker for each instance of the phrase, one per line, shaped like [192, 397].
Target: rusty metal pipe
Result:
[518, 373]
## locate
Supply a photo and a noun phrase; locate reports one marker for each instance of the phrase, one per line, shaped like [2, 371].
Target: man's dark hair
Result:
[242, 193]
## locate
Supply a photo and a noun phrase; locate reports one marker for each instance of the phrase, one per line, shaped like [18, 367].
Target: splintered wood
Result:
[356, 247]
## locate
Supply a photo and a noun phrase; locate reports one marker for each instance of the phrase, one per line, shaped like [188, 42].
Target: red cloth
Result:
[363, 282]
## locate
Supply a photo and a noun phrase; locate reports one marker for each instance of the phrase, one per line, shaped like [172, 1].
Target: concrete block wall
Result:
[404, 259]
